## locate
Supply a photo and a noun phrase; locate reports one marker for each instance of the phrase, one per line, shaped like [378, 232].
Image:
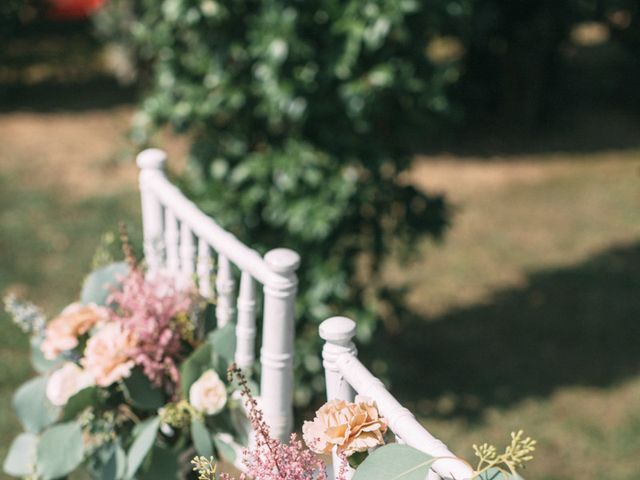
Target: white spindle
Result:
[171, 240]
[343, 366]
[187, 251]
[246, 324]
[170, 218]
[151, 164]
[204, 268]
[225, 308]
[276, 355]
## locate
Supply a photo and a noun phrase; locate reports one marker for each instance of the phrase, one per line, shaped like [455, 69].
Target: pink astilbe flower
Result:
[147, 307]
[271, 459]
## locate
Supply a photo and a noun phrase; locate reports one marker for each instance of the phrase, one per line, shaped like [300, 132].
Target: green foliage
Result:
[38, 362]
[60, 450]
[201, 438]
[141, 393]
[85, 398]
[304, 115]
[144, 439]
[395, 462]
[32, 406]
[99, 283]
[20, 461]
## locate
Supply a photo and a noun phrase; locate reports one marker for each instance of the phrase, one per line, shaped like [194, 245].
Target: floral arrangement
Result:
[129, 380]
[356, 433]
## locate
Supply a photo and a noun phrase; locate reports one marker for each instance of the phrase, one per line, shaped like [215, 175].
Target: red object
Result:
[72, 9]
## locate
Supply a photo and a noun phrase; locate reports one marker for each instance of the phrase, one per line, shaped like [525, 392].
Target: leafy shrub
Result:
[302, 117]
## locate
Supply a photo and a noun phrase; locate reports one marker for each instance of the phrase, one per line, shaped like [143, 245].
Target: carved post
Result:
[276, 356]
[338, 333]
[151, 163]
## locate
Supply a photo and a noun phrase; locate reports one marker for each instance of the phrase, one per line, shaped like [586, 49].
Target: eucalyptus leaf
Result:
[141, 392]
[99, 284]
[87, 397]
[223, 341]
[395, 462]
[115, 466]
[498, 474]
[191, 369]
[164, 465]
[226, 447]
[201, 438]
[32, 406]
[60, 450]
[21, 459]
[145, 437]
[39, 363]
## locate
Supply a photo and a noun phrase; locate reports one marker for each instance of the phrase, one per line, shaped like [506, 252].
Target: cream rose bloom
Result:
[208, 394]
[351, 427]
[108, 354]
[65, 382]
[63, 331]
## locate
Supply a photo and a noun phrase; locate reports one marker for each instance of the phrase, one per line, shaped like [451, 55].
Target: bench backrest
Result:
[346, 375]
[180, 238]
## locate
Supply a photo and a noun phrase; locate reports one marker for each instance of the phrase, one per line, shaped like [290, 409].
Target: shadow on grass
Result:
[97, 92]
[570, 326]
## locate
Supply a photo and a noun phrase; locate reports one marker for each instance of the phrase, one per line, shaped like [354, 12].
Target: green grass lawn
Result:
[49, 229]
[525, 317]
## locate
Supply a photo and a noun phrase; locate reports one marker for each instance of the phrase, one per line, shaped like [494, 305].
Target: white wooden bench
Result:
[345, 375]
[180, 238]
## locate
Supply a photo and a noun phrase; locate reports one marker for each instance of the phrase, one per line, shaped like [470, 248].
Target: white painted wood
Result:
[202, 226]
[338, 332]
[276, 355]
[187, 251]
[171, 219]
[151, 163]
[225, 286]
[340, 358]
[204, 268]
[246, 324]
[171, 241]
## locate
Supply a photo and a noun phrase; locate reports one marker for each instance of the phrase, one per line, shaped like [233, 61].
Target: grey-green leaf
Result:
[141, 392]
[225, 447]
[21, 459]
[223, 341]
[33, 408]
[60, 450]
[199, 361]
[115, 467]
[165, 464]
[86, 397]
[395, 462]
[98, 285]
[498, 474]
[146, 433]
[39, 363]
[201, 438]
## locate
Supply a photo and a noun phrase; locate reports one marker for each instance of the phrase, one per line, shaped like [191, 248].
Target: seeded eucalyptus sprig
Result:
[514, 457]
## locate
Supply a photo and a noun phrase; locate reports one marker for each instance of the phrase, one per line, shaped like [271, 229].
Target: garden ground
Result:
[525, 317]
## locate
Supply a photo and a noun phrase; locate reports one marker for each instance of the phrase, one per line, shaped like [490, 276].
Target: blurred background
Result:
[461, 176]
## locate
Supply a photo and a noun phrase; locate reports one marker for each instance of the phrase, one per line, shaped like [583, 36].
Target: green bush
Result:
[302, 116]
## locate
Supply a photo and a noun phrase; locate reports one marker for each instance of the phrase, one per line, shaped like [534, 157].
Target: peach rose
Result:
[208, 394]
[351, 427]
[108, 354]
[65, 382]
[62, 332]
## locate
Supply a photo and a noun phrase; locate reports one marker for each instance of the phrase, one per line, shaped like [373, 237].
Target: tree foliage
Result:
[302, 117]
